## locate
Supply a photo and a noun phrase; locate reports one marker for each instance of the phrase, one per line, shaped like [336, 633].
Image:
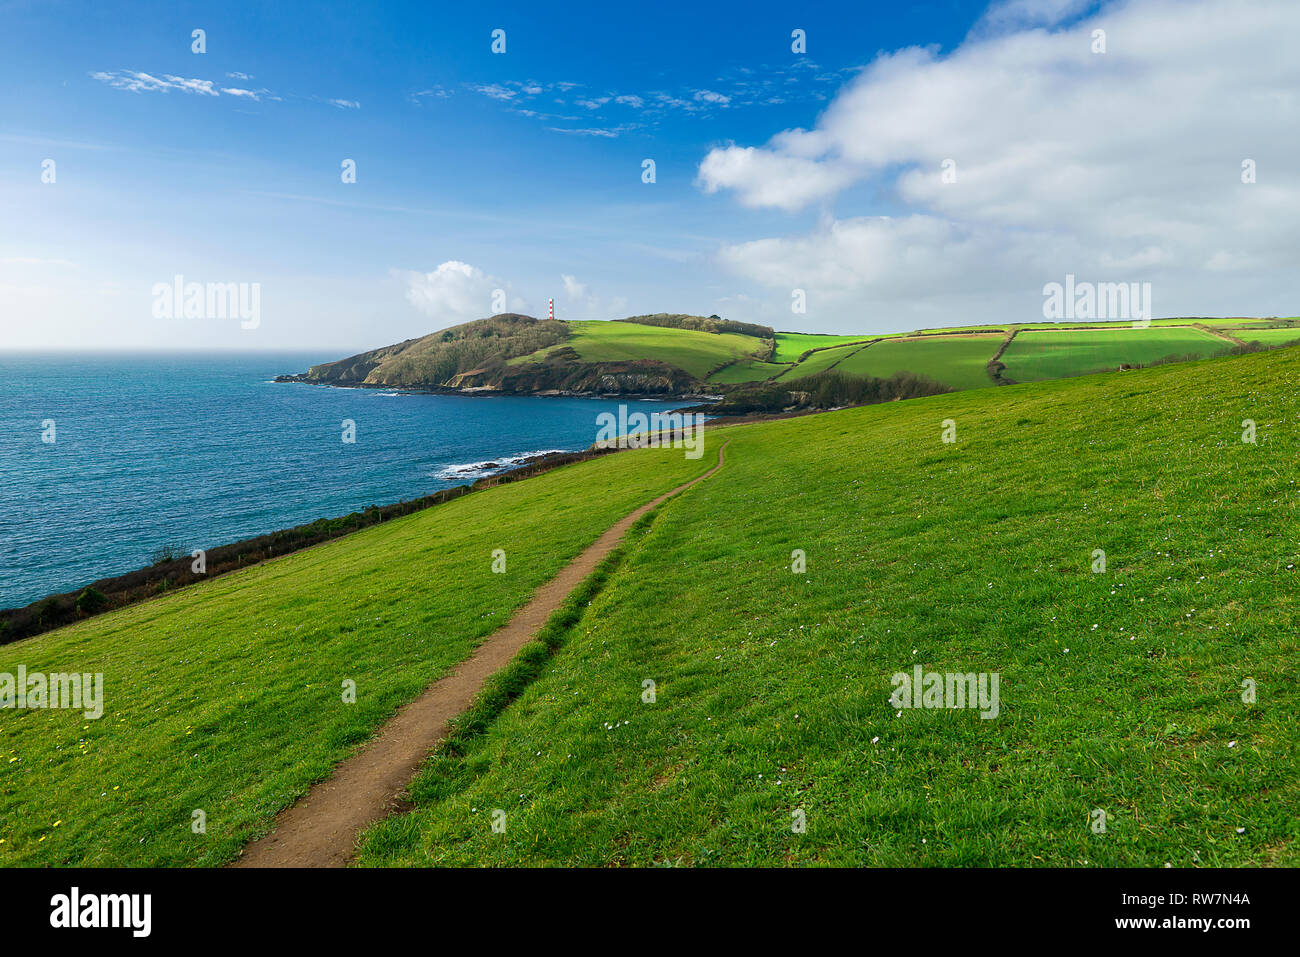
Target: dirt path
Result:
[321, 829]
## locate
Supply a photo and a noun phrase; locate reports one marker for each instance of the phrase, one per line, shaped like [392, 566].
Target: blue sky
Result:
[517, 170]
[150, 183]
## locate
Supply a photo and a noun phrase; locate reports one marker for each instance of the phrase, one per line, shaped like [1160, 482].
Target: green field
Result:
[820, 361]
[1037, 355]
[958, 361]
[1270, 337]
[957, 355]
[1120, 691]
[791, 345]
[226, 696]
[749, 370]
[698, 353]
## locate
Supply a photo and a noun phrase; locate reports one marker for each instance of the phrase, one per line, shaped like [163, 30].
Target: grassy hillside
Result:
[698, 353]
[226, 696]
[820, 361]
[960, 361]
[791, 345]
[748, 370]
[1270, 337]
[1121, 691]
[1052, 354]
[670, 354]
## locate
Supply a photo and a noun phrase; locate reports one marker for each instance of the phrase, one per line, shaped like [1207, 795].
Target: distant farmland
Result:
[1055, 354]
[960, 361]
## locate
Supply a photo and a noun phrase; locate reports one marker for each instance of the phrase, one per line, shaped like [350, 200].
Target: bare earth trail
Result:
[321, 829]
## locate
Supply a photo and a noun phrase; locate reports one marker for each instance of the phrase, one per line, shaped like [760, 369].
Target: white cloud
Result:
[496, 91]
[440, 92]
[575, 289]
[134, 81]
[1018, 14]
[345, 104]
[454, 292]
[764, 177]
[590, 131]
[137, 82]
[708, 96]
[1124, 165]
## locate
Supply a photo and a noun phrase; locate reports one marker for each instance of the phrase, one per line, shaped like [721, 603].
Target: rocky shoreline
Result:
[303, 378]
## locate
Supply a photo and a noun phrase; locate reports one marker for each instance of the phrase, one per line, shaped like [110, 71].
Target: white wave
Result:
[474, 470]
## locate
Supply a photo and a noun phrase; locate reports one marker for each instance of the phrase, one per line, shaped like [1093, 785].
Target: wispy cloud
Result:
[496, 91]
[345, 104]
[439, 92]
[708, 96]
[589, 131]
[250, 94]
[800, 79]
[136, 82]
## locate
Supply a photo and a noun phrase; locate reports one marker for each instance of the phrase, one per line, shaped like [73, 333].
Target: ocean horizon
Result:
[155, 450]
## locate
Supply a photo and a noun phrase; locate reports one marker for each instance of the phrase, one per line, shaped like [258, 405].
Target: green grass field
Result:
[957, 356]
[791, 345]
[820, 361]
[1120, 691]
[1037, 355]
[226, 696]
[749, 370]
[696, 352]
[958, 361]
[1270, 337]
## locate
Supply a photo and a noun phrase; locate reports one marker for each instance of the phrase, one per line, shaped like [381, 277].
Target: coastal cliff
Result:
[520, 355]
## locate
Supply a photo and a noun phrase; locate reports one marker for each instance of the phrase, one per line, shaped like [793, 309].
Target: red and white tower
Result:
[550, 309]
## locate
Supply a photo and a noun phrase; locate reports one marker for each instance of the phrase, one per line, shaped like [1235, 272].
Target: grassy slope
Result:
[1270, 337]
[227, 696]
[958, 361]
[749, 370]
[820, 361]
[1049, 354]
[949, 355]
[791, 345]
[1120, 691]
[696, 352]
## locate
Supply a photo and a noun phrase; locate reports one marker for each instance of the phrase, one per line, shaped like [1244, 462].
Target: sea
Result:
[106, 459]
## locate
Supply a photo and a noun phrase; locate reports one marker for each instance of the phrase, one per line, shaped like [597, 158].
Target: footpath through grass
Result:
[227, 697]
[1121, 692]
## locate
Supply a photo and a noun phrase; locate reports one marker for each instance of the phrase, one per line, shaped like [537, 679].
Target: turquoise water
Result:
[195, 451]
